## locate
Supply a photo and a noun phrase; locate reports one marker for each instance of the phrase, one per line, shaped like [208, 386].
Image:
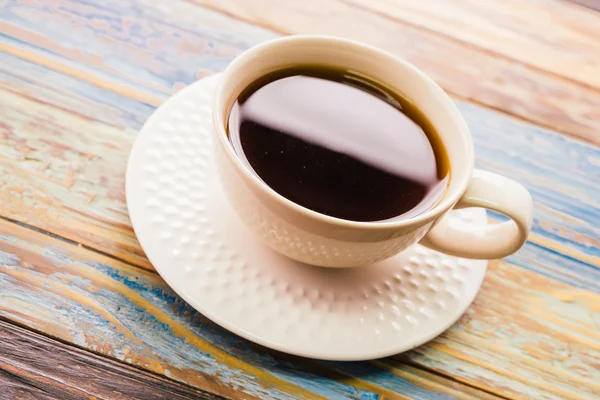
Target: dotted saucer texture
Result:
[195, 241]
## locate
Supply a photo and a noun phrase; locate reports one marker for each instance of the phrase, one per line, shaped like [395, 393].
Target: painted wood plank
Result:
[550, 35]
[124, 48]
[526, 330]
[56, 178]
[70, 94]
[473, 73]
[130, 314]
[36, 367]
[172, 45]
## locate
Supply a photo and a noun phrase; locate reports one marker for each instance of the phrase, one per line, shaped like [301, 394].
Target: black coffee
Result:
[337, 143]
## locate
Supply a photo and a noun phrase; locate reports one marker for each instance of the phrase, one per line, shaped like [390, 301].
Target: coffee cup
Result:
[318, 239]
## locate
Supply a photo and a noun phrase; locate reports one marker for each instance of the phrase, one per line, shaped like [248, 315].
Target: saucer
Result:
[195, 241]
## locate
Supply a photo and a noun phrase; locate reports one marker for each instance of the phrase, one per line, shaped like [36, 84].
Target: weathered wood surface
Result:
[75, 89]
[130, 314]
[523, 332]
[35, 367]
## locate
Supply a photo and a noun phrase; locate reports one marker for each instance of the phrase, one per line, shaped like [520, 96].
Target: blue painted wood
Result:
[561, 173]
[132, 51]
[73, 95]
[134, 316]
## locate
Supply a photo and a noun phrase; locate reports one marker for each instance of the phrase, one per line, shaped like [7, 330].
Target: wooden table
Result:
[84, 315]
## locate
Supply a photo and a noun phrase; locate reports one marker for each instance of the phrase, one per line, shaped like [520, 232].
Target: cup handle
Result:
[494, 192]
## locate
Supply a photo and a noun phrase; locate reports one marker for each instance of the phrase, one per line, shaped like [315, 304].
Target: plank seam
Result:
[64, 109]
[24, 381]
[105, 357]
[452, 378]
[113, 86]
[73, 242]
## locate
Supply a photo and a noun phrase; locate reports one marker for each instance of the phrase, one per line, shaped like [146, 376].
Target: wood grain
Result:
[457, 59]
[57, 179]
[551, 36]
[526, 330]
[130, 314]
[33, 366]
[122, 48]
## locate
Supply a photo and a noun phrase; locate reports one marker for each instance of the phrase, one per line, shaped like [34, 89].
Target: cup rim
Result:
[443, 205]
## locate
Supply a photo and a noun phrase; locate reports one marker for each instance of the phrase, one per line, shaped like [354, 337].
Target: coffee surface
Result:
[338, 144]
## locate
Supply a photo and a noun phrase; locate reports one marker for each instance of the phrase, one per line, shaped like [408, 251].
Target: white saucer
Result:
[195, 241]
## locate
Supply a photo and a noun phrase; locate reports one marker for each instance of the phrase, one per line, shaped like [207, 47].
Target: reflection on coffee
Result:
[337, 143]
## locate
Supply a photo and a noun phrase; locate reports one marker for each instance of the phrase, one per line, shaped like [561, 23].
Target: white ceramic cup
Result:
[318, 239]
